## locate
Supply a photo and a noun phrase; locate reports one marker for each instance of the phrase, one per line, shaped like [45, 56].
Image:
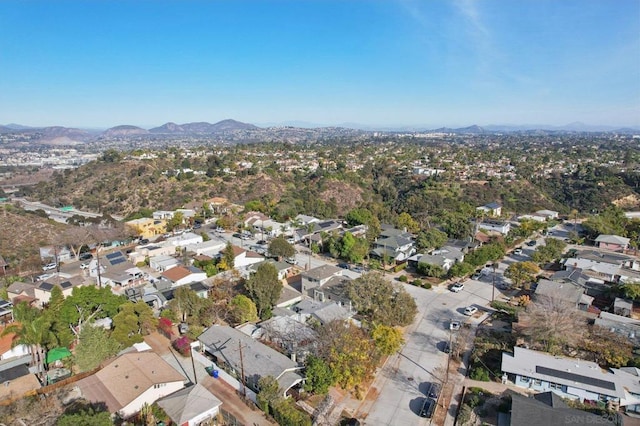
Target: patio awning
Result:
[56, 354]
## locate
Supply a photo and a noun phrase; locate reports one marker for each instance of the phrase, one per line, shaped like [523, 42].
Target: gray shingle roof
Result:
[259, 360]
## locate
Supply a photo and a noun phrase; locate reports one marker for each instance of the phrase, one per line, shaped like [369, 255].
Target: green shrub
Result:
[427, 286]
[403, 278]
[400, 267]
[417, 282]
[479, 373]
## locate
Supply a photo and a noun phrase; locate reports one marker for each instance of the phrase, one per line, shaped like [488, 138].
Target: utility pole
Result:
[493, 287]
[98, 265]
[446, 380]
[244, 384]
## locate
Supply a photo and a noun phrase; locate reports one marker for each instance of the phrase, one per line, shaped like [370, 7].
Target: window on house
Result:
[524, 379]
[537, 382]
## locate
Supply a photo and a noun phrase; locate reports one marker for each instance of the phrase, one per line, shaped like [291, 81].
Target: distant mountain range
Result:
[238, 131]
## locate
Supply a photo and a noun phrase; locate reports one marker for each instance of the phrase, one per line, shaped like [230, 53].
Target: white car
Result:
[470, 310]
[517, 251]
[49, 266]
[457, 287]
[84, 265]
[454, 325]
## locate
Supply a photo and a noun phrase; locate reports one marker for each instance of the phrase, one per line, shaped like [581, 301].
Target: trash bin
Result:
[216, 373]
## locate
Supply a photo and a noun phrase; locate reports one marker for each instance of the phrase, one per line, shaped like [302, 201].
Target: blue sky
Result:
[380, 63]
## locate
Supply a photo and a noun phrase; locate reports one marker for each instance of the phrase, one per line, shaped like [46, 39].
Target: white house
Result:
[163, 263]
[549, 214]
[495, 226]
[491, 209]
[191, 406]
[130, 381]
[181, 275]
[185, 239]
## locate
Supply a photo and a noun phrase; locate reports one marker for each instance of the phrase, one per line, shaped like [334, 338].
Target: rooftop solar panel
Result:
[116, 261]
[113, 255]
[576, 377]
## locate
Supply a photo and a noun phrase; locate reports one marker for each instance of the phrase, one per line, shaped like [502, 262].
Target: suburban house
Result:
[322, 312]
[304, 220]
[151, 250]
[210, 248]
[612, 242]
[437, 260]
[163, 263]
[622, 307]
[496, 226]
[263, 225]
[547, 409]
[55, 254]
[115, 270]
[190, 406]
[42, 290]
[624, 326]
[147, 227]
[604, 265]
[393, 244]
[184, 240]
[313, 230]
[237, 353]
[21, 292]
[569, 293]
[317, 277]
[569, 378]
[8, 348]
[492, 209]
[283, 268]
[549, 214]
[296, 338]
[243, 258]
[181, 275]
[130, 381]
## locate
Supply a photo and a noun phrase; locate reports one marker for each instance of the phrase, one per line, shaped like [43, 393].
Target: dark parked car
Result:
[446, 347]
[428, 407]
[343, 265]
[86, 256]
[434, 391]
[532, 243]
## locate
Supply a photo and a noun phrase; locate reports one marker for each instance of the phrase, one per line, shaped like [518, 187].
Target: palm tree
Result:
[32, 329]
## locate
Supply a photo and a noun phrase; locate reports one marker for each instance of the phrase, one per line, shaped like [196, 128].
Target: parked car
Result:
[262, 242]
[454, 325]
[144, 241]
[446, 347]
[517, 251]
[84, 265]
[291, 260]
[219, 229]
[428, 407]
[470, 310]
[457, 287]
[343, 265]
[531, 243]
[476, 276]
[358, 269]
[86, 256]
[183, 327]
[434, 391]
[50, 266]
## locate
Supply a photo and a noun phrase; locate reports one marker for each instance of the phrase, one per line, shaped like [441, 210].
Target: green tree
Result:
[380, 302]
[319, 375]
[228, 258]
[269, 392]
[243, 309]
[132, 322]
[630, 290]
[176, 221]
[522, 273]
[33, 329]
[461, 269]
[388, 339]
[430, 270]
[430, 239]
[280, 248]
[88, 303]
[405, 221]
[349, 351]
[95, 346]
[264, 288]
[359, 216]
[185, 302]
[87, 417]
